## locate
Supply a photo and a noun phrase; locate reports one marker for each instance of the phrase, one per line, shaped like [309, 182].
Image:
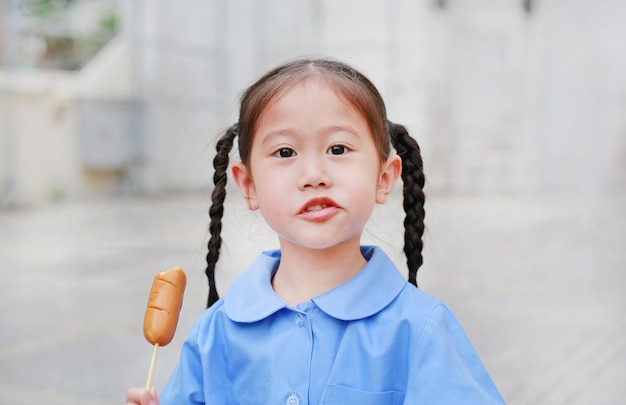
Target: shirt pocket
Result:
[335, 395]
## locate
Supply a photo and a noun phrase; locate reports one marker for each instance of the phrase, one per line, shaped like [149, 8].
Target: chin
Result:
[321, 243]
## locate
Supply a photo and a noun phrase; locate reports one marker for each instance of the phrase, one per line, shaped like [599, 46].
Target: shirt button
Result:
[293, 400]
[298, 319]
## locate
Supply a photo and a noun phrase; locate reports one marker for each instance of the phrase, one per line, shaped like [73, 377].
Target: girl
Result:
[323, 320]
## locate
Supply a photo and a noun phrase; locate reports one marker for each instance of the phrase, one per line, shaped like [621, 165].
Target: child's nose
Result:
[314, 173]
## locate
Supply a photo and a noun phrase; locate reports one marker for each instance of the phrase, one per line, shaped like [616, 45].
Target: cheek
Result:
[361, 191]
[272, 192]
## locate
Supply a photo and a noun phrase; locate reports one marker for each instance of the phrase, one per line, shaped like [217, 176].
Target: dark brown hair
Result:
[355, 89]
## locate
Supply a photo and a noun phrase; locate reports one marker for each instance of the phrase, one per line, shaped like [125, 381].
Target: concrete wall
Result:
[501, 99]
[45, 133]
[38, 138]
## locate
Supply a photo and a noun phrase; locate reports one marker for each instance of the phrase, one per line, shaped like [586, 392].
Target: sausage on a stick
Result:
[164, 304]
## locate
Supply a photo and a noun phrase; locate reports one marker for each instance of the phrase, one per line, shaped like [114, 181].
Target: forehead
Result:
[314, 95]
[307, 107]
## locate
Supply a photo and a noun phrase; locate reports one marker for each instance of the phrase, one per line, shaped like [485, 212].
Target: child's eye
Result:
[337, 150]
[285, 152]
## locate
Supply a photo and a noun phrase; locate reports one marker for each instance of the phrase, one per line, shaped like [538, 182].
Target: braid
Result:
[413, 196]
[216, 211]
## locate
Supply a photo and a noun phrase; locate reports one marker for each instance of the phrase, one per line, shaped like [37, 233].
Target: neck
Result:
[306, 273]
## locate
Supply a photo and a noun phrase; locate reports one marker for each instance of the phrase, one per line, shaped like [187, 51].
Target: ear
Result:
[245, 184]
[390, 171]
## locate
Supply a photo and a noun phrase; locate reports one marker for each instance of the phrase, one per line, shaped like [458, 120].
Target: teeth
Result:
[316, 207]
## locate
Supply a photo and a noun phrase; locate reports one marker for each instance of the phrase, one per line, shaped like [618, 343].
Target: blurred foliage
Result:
[109, 22]
[45, 9]
[46, 36]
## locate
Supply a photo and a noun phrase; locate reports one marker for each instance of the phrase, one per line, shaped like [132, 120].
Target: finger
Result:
[137, 395]
[154, 400]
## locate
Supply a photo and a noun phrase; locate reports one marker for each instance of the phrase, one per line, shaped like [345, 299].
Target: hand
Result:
[141, 396]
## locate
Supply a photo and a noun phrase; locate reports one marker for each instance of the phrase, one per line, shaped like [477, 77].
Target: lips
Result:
[317, 204]
[318, 209]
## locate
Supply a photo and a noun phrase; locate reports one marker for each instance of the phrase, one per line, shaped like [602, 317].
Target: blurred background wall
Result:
[505, 96]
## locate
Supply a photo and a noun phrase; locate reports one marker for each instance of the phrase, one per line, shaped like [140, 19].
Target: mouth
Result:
[318, 204]
[316, 207]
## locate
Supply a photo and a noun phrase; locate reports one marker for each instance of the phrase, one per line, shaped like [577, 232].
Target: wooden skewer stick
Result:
[152, 363]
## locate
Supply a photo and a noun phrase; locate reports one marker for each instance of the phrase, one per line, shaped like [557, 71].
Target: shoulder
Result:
[410, 293]
[427, 319]
[209, 322]
[442, 356]
[416, 305]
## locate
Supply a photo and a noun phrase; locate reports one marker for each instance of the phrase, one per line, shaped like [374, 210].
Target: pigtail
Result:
[413, 196]
[216, 211]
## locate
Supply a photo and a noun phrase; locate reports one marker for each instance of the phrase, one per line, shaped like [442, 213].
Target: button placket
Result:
[301, 355]
[298, 319]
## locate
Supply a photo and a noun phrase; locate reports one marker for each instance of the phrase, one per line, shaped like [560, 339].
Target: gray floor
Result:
[538, 283]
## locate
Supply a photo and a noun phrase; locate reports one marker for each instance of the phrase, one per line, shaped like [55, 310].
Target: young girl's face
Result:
[314, 171]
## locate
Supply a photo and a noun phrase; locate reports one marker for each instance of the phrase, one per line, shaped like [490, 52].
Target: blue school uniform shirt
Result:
[375, 339]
